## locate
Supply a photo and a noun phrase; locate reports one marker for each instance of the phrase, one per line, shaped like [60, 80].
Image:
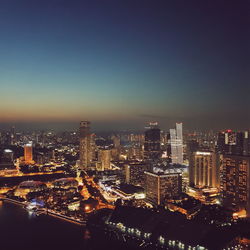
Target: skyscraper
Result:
[162, 186]
[6, 162]
[13, 135]
[192, 146]
[152, 146]
[85, 145]
[28, 153]
[134, 173]
[231, 142]
[235, 182]
[176, 142]
[104, 156]
[246, 143]
[115, 151]
[116, 141]
[205, 170]
[93, 148]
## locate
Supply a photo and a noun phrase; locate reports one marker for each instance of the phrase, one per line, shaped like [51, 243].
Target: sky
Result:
[122, 63]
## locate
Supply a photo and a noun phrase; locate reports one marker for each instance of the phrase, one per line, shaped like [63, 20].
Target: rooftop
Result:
[130, 189]
[28, 184]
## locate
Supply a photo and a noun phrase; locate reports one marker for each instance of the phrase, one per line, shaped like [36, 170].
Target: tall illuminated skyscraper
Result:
[28, 153]
[176, 142]
[85, 145]
[204, 170]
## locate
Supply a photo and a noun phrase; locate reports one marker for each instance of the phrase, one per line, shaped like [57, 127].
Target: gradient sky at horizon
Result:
[122, 63]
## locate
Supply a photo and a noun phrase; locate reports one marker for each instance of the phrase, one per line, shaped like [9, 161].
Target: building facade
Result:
[176, 142]
[104, 156]
[85, 145]
[235, 182]
[134, 173]
[28, 153]
[204, 170]
[152, 146]
[161, 187]
[232, 142]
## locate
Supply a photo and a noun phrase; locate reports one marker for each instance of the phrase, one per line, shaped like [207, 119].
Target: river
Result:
[21, 230]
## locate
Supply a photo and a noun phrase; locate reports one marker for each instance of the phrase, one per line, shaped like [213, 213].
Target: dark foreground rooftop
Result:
[170, 226]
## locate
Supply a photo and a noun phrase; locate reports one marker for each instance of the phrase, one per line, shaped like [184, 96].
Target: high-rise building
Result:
[152, 146]
[116, 141]
[12, 135]
[93, 148]
[176, 142]
[235, 182]
[6, 163]
[85, 145]
[231, 142]
[7, 138]
[135, 152]
[7, 158]
[246, 143]
[162, 186]
[205, 170]
[115, 151]
[192, 146]
[134, 173]
[28, 153]
[104, 156]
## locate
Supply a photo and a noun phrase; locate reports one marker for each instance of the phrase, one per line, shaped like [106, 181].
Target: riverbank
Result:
[22, 230]
[48, 212]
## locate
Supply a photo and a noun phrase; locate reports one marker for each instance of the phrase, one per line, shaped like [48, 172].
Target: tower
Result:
[231, 142]
[152, 146]
[234, 182]
[28, 153]
[105, 158]
[13, 135]
[176, 141]
[116, 141]
[205, 170]
[85, 145]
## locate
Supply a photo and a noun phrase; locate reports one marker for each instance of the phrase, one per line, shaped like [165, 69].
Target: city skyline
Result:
[124, 124]
[121, 65]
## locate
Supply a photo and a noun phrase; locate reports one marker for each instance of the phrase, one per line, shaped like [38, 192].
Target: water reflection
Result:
[31, 214]
[86, 234]
[32, 232]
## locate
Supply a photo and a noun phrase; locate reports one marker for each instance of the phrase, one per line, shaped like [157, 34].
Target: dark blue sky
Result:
[122, 63]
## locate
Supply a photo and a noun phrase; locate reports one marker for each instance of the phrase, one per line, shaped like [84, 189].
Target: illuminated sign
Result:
[203, 153]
